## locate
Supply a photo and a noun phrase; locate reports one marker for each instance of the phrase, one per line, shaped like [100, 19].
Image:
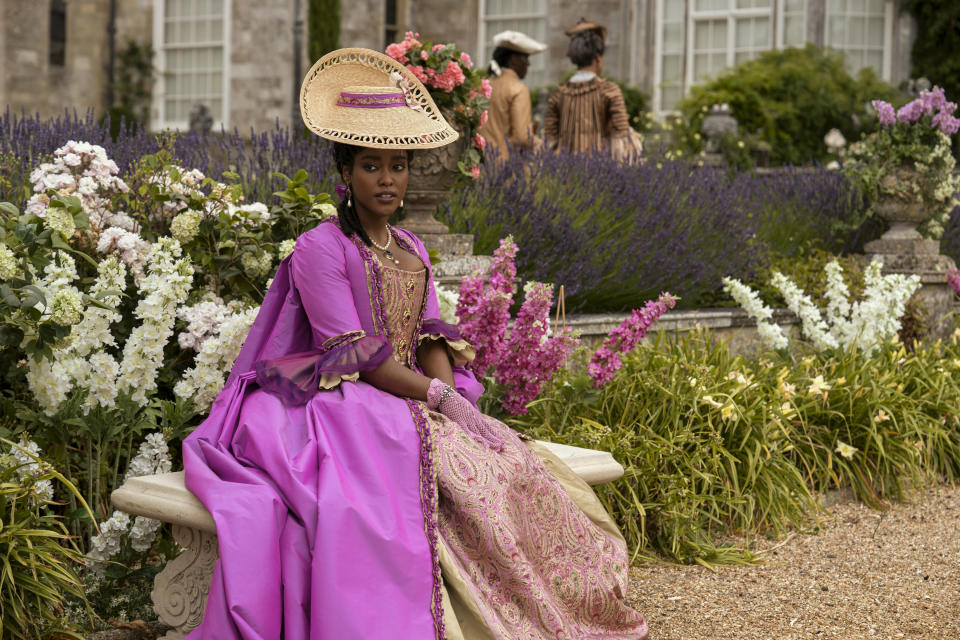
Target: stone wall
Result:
[262, 83]
[361, 24]
[31, 84]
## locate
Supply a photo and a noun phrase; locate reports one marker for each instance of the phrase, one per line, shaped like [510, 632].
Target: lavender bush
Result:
[617, 235]
[25, 141]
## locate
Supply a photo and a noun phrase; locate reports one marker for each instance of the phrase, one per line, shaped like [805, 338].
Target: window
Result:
[58, 33]
[793, 28]
[858, 28]
[696, 40]
[394, 21]
[192, 40]
[525, 16]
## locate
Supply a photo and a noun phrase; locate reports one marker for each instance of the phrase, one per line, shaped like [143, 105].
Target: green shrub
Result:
[790, 99]
[37, 553]
[715, 444]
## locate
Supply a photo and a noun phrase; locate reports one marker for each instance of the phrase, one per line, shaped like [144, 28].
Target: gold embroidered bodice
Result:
[403, 294]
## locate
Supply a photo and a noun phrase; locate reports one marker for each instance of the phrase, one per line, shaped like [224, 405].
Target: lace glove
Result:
[443, 398]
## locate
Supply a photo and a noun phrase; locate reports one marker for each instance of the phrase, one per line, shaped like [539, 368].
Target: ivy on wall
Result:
[323, 27]
[938, 31]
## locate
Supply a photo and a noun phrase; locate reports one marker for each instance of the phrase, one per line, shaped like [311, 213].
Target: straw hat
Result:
[368, 99]
[588, 25]
[519, 42]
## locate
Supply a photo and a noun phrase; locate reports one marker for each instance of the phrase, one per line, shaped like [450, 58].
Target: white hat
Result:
[519, 42]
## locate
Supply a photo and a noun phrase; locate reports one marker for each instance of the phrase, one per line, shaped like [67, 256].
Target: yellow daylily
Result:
[818, 386]
[845, 449]
[881, 416]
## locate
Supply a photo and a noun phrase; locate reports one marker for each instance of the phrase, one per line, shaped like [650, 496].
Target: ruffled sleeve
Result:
[296, 377]
[341, 348]
[459, 350]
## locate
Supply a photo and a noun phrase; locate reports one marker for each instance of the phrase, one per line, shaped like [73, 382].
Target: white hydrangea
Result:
[250, 214]
[327, 210]
[59, 219]
[285, 248]
[185, 226]
[8, 263]
[771, 334]
[66, 307]
[256, 266]
[447, 300]
[205, 379]
[162, 290]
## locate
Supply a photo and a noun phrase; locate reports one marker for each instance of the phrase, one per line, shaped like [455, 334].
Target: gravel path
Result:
[866, 575]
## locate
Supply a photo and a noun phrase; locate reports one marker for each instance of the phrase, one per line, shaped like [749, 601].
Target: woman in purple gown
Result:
[358, 492]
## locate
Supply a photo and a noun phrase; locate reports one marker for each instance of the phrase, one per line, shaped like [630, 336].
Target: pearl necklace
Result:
[386, 248]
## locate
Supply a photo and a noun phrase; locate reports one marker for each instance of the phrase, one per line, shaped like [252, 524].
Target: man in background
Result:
[510, 120]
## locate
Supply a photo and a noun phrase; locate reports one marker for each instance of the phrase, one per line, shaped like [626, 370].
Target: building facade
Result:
[244, 60]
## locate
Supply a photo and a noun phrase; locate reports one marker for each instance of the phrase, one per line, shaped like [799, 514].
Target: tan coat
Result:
[509, 118]
[586, 116]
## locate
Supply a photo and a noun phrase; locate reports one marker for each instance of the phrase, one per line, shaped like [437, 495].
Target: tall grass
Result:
[716, 444]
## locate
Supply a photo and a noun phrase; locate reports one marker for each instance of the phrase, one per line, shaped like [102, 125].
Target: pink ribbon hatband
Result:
[372, 100]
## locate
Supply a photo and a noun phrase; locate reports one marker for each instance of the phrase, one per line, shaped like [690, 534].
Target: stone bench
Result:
[180, 591]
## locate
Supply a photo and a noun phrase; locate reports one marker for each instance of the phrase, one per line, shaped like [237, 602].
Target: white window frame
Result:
[159, 121]
[889, 13]
[731, 13]
[483, 41]
[781, 11]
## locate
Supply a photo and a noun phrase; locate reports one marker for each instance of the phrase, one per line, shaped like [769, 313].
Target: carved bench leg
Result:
[180, 591]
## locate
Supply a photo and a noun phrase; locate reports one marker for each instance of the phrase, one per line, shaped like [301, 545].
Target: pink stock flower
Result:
[624, 339]
[530, 357]
[424, 55]
[475, 172]
[885, 112]
[911, 111]
[465, 60]
[953, 279]
[486, 88]
[483, 118]
[438, 47]
[480, 142]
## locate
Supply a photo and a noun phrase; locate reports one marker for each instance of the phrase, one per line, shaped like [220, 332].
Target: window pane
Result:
[672, 10]
[793, 32]
[672, 68]
[791, 6]
[673, 38]
[711, 5]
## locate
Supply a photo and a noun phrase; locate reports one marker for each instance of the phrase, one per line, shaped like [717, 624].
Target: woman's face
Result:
[378, 181]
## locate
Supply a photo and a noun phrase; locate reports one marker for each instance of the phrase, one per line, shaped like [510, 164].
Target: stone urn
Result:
[432, 174]
[904, 250]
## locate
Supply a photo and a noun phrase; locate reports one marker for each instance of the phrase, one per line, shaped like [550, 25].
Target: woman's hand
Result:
[443, 398]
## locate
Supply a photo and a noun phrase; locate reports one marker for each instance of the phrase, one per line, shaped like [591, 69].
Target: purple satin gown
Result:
[346, 512]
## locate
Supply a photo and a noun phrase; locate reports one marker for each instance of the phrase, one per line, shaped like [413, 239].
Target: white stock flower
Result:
[152, 457]
[143, 533]
[109, 542]
[771, 334]
[28, 467]
[205, 379]
[812, 323]
[165, 286]
[133, 250]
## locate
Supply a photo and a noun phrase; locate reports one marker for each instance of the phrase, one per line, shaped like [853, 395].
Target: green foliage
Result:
[790, 99]
[937, 33]
[638, 105]
[715, 444]
[132, 88]
[37, 554]
[323, 27]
